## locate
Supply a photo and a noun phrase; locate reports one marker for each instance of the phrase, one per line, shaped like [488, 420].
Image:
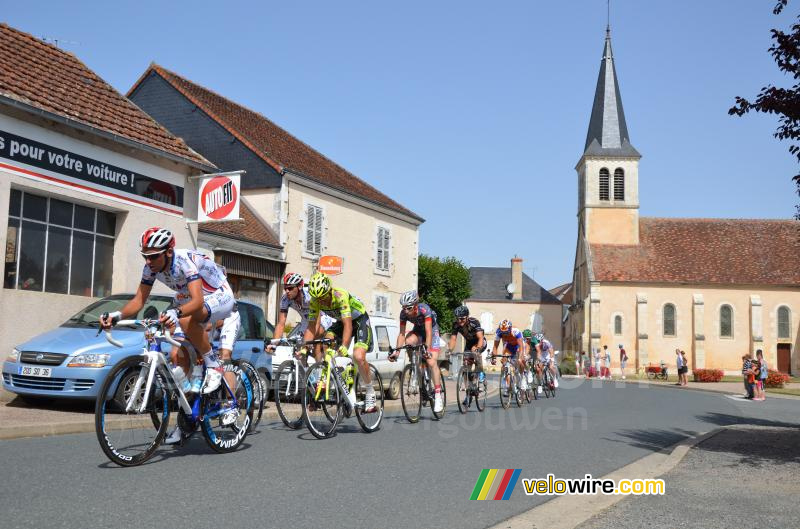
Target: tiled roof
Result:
[718, 251]
[563, 292]
[41, 75]
[251, 230]
[273, 144]
[489, 284]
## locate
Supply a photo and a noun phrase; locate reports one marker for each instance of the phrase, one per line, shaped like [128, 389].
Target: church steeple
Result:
[608, 131]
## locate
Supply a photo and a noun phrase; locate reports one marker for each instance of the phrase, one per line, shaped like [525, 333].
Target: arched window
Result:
[619, 184]
[784, 319]
[603, 184]
[726, 321]
[618, 324]
[669, 319]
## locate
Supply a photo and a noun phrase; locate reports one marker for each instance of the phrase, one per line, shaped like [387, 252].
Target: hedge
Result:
[707, 375]
[776, 379]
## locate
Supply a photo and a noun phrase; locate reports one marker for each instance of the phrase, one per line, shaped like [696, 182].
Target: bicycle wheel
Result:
[323, 409]
[505, 389]
[438, 415]
[463, 389]
[369, 421]
[517, 391]
[526, 395]
[129, 437]
[410, 394]
[480, 398]
[289, 382]
[259, 390]
[215, 406]
[546, 382]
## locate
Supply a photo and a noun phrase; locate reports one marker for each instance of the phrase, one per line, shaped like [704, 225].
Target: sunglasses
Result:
[152, 256]
[462, 318]
[289, 289]
[410, 307]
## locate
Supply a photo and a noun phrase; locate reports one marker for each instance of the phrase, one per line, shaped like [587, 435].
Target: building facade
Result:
[313, 206]
[714, 288]
[83, 172]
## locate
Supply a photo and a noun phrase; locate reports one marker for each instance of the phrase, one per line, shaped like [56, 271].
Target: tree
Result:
[785, 102]
[443, 284]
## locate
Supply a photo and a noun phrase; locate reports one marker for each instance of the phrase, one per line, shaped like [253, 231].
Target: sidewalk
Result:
[57, 417]
[729, 388]
[741, 476]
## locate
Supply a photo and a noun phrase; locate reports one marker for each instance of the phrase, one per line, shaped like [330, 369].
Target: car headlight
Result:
[89, 360]
[13, 356]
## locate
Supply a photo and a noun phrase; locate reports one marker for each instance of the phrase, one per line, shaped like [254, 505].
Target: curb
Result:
[695, 388]
[568, 512]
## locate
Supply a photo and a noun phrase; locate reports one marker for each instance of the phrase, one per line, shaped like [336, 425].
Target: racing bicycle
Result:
[509, 383]
[416, 385]
[469, 387]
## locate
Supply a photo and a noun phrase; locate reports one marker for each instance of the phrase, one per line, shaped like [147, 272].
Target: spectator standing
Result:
[679, 366]
[762, 379]
[608, 362]
[597, 362]
[584, 364]
[684, 378]
[578, 362]
[747, 374]
[623, 359]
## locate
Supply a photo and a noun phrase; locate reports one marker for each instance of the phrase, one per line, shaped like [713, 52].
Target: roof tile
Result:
[252, 230]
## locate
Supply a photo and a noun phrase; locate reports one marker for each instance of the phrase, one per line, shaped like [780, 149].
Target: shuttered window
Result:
[383, 249]
[314, 230]
[619, 184]
[603, 184]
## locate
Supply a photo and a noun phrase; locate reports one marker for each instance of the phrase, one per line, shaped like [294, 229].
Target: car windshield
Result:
[89, 316]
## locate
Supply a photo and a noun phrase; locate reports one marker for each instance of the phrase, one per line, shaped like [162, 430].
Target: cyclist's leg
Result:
[227, 338]
[363, 337]
[216, 306]
[433, 362]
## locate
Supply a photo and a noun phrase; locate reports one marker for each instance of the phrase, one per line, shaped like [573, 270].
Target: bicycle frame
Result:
[330, 360]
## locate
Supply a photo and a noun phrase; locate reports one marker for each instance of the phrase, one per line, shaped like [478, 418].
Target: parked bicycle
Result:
[509, 383]
[469, 387]
[334, 389]
[416, 385]
[131, 437]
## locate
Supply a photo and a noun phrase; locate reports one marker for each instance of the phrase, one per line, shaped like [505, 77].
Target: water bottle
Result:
[197, 379]
[180, 379]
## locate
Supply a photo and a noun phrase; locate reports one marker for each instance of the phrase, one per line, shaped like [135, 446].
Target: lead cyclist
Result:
[202, 296]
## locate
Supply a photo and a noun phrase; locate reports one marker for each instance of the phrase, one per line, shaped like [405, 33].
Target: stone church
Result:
[714, 288]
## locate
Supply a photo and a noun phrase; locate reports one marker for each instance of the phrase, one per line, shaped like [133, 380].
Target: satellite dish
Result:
[510, 288]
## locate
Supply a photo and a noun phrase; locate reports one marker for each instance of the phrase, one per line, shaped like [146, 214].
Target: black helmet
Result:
[461, 312]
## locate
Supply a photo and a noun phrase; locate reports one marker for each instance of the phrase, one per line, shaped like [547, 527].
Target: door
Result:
[784, 358]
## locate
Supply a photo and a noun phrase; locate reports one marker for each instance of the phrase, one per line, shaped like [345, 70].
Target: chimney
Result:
[516, 277]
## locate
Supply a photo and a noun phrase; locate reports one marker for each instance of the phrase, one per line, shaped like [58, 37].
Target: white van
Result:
[384, 337]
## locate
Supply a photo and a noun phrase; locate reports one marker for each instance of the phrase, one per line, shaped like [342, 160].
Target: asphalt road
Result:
[402, 476]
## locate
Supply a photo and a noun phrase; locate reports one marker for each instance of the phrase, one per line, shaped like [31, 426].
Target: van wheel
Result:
[393, 392]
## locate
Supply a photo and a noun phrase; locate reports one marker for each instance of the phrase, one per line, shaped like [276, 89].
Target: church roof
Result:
[608, 131]
[489, 284]
[715, 251]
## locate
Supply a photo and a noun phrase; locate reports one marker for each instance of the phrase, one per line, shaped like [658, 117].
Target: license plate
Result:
[32, 371]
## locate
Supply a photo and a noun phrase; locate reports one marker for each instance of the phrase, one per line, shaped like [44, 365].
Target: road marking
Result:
[738, 397]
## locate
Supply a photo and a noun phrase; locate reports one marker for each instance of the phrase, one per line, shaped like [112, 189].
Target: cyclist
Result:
[474, 339]
[514, 343]
[532, 356]
[296, 297]
[545, 350]
[426, 329]
[202, 296]
[350, 318]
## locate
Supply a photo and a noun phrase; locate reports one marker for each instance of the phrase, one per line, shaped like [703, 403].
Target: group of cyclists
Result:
[204, 302]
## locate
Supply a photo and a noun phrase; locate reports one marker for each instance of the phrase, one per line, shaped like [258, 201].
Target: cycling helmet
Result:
[527, 334]
[409, 299]
[319, 285]
[505, 326]
[293, 279]
[156, 237]
[461, 312]
[539, 336]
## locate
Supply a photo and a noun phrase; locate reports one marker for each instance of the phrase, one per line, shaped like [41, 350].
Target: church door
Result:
[784, 356]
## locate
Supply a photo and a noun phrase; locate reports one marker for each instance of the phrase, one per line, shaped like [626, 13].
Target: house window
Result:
[726, 321]
[603, 184]
[381, 305]
[784, 317]
[619, 184]
[617, 324]
[314, 230]
[383, 249]
[59, 247]
[669, 319]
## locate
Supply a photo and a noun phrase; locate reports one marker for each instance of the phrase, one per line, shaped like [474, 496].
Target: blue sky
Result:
[474, 114]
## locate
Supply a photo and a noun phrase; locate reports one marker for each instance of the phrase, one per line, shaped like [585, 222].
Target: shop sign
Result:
[219, 198]
[331, 264]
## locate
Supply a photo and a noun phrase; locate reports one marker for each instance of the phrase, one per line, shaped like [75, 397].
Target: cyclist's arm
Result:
[347, 331]
[481, 340]
[280, 325]
[195, 304]
[452, 344]
[401, 337]
[428, 332]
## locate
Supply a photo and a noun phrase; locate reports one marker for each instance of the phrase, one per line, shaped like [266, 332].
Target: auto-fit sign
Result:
[40, 161]
[219, 197]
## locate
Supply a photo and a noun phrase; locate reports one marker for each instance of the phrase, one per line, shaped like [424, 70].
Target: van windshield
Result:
[89, 316]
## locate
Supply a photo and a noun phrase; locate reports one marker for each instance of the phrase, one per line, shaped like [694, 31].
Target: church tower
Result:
[608, 171]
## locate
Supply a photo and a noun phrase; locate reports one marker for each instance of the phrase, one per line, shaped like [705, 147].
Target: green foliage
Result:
[443, 284]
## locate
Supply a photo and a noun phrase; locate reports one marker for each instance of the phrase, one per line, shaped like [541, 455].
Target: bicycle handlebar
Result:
[407, 347]
[139, 323]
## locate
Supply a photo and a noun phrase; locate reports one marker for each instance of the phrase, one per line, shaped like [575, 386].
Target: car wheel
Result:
[393, 391]
[124, 388]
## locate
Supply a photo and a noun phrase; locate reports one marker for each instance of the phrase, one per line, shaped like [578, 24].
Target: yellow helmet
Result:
[319, 285]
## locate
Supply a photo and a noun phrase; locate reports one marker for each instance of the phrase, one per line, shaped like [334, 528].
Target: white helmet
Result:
[409, 298]
[156, 237]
